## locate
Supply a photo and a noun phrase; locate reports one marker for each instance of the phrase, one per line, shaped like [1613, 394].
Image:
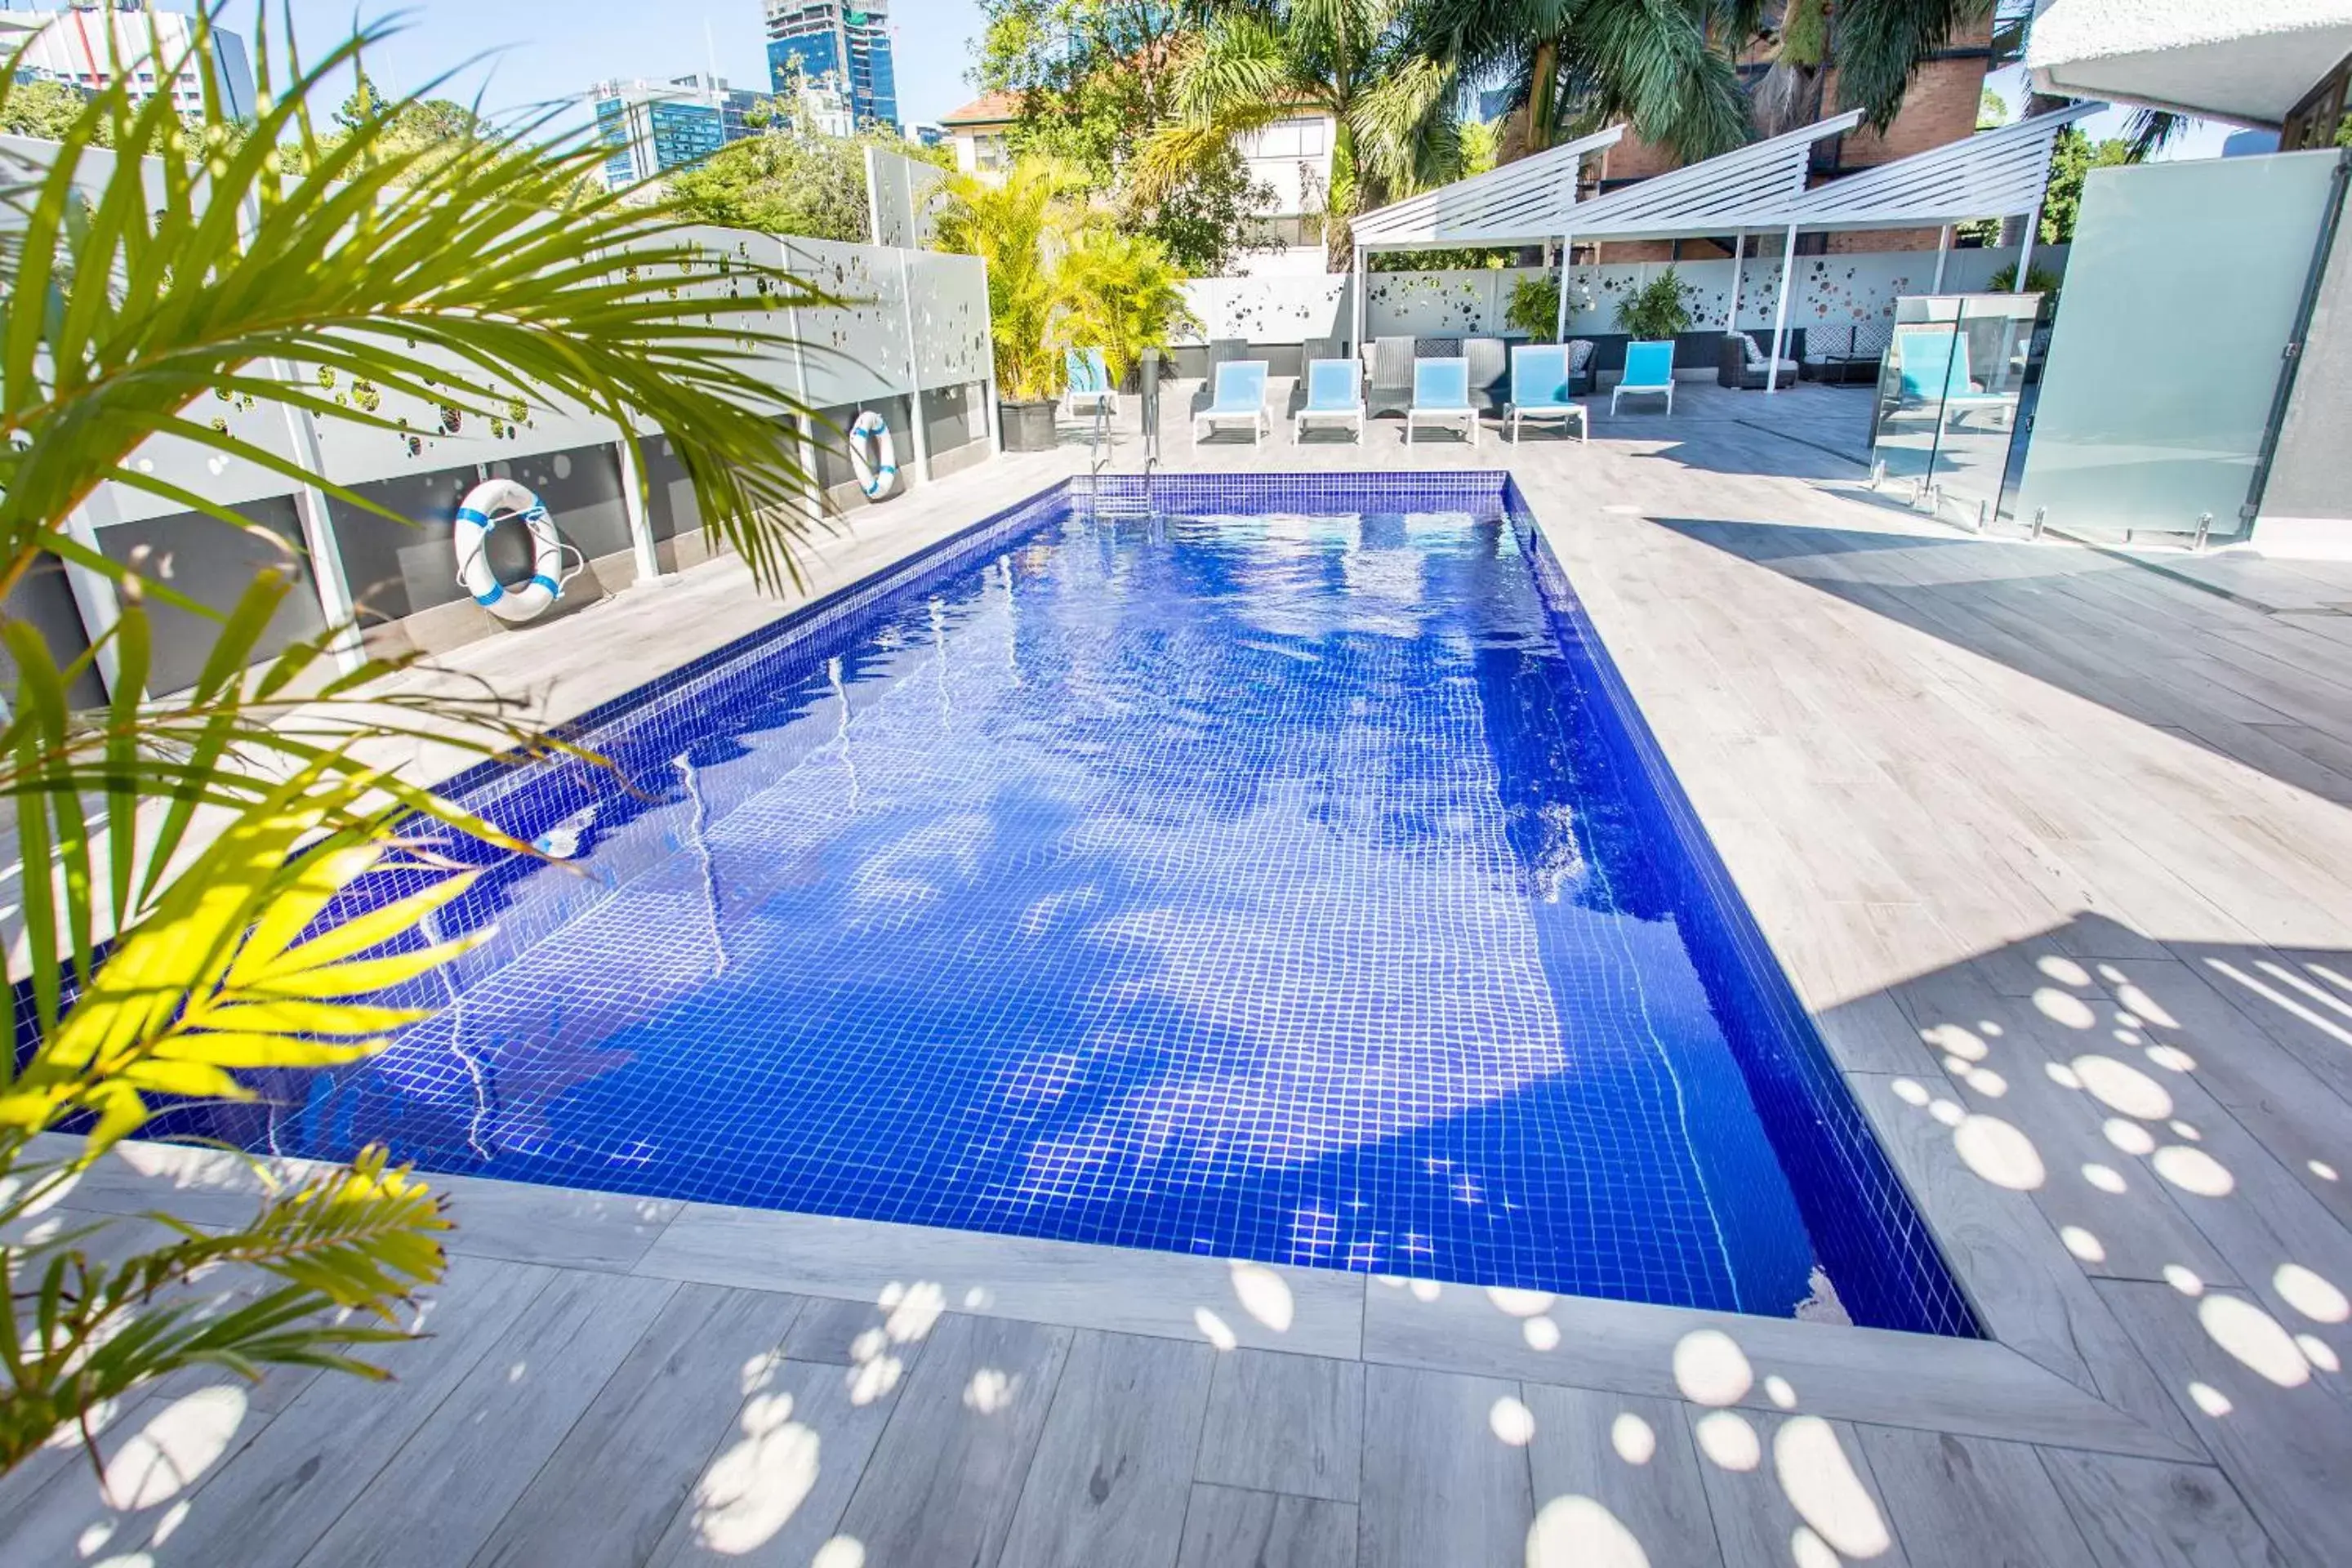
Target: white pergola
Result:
[1522, 202]
[1761, 188]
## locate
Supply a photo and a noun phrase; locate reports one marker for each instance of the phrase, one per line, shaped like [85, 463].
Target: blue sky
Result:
[539, 50]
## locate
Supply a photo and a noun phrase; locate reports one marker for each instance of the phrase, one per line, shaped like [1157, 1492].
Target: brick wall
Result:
[1939, 106]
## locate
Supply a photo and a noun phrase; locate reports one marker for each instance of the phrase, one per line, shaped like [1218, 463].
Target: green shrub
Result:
[1657, 310]
[1535, 306]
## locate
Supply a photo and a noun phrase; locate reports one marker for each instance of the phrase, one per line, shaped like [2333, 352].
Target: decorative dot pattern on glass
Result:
[1257, 866]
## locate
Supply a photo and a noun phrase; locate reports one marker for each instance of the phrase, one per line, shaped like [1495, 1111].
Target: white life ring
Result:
[477, 514]
[878, 471]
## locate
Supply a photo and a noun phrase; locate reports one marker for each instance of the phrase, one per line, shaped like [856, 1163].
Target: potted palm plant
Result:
[1019, 228]
[1119, 293]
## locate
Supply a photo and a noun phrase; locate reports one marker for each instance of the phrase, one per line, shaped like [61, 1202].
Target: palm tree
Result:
[1651, 62]
[1873, 46]
[190, 842]
[1020, 228]
[1255, 62]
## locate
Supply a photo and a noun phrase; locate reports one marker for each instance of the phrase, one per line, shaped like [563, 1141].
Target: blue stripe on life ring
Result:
[492, 598]
[540, 580]
[468, 514]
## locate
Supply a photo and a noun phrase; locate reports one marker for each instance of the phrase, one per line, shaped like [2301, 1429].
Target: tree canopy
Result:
[788, 180]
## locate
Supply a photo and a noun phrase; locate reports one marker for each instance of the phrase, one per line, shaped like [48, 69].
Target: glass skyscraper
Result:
[842, 43]
[655, 127]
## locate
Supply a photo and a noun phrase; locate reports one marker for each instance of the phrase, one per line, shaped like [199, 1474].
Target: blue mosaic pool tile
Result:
[1269, 866]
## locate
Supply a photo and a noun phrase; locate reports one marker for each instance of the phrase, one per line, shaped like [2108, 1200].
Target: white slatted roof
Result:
[1993, 173]
[1520, 204]
[1747, 187]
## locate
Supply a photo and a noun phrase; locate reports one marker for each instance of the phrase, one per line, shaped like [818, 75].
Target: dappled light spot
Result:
[1910, 1091]
[1511, 1422]
[1727, 1437]
[2308, 1293]
[2210, 1400]
[1780, 1392]
[1989, 1029]
[174, 1450]
[2062, 1009]
[2255, 1338]
[1985, 1082]
[2319, 1352]
[1264, 1295]
[2062, 1075]
[1634, 1439]
[2127, 1135]
[2172, 1059]
[1999, 1152]
[1950, 1112]
[870, 1380]
[2322, 1169]
[2144, 1007]
[2128, 1037]
[1520, 1303]
[1579, 1532]
[2183, 1130]
[93, 1538]
[1711, 1369]
[2193, 1170]
[169, 1524]
[2083, 1244]
[912, 1309]
[1213, 1329]
[989, 1391]
[1955, 1041]
[1541, 1333]
[2105, 1178]
[2183, 1279]
[2065, 971]
[1821, 1483]
[516, 1372]
[1424, 1289]
[1807, 1549]
[974, 1299]
[752, 1489]
[761, 1371]
[2119, 1086]
[841, 1552]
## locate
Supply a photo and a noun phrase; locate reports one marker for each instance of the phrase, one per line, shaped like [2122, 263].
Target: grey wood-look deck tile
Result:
[1114, 1466]
[532, 1224]
[1227, 1528]
[2283, 1445]
[1120, 1289]
[882, 1343]
[2144, 1513]
[1773, 1480]
[2003, 1051]
[1970, 1502]
[1610, 1468]
[771, 1496]
[1863, 1374]
[268, 1506]
[1283, 1423]
[944, 1482]
[155, 1453]
[479, 1450]
[2025, 1284]
[1440, 1485]
[625, 1468]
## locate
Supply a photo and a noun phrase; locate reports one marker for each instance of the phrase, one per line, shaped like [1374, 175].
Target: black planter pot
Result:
[1027, 426]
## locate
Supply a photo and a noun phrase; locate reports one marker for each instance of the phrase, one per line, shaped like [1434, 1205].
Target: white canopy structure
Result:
[1993, 173]
[1522, 202]
[2247, 60]
[1762, 186]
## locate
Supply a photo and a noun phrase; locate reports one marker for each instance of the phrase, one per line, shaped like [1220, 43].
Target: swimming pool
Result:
[1262, 867]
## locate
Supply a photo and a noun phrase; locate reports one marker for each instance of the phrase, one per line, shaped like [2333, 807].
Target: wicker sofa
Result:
[1839, 355]
[1741, 364]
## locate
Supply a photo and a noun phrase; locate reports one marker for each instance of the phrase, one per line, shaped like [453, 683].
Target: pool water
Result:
[1265, 868]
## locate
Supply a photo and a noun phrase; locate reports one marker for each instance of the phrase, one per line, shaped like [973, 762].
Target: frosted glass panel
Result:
[2180, 294]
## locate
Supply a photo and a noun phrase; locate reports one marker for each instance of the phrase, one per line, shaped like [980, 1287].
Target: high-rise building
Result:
[655, 127]
[846, 42]
[80, 45]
